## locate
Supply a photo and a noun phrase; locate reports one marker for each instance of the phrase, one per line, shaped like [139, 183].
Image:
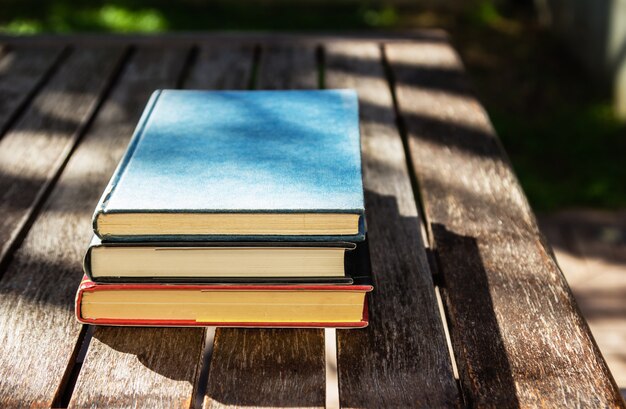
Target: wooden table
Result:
[456, 250]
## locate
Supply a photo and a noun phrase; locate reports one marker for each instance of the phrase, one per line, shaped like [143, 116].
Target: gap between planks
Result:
[171, 75]
[19, 233]
[28, 97]
[54, 389]
[402, 358]
[424, 231]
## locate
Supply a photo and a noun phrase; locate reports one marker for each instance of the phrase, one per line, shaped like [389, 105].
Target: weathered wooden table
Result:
[456, 250]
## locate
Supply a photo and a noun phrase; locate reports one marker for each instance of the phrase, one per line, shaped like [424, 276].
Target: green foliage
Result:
[63, 17]
[145, 16]
[22, 26]
[572, 155]
[385, 17]
[484, 14]
[119, 19]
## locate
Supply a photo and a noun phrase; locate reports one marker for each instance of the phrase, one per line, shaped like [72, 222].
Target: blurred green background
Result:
[557, 124]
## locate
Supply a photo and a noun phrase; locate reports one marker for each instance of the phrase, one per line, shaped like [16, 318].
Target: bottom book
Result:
[229, 305]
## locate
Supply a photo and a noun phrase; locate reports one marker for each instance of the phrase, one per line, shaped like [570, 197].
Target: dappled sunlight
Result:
[373, 99]
[446, 102]
[487, 206]
[354, 50]
[6, 61]
[425, 54]
[37, 324]
[450, 125]
[37, 290]
[280, 179]
[20, 152]
[57, 105]
[385, 161]
[358, 65]
[485, 247]
[444, 106]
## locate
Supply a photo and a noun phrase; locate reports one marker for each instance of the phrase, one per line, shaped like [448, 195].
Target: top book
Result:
[239, 165]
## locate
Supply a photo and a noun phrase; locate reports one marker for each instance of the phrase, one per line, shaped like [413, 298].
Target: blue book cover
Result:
[239, 165]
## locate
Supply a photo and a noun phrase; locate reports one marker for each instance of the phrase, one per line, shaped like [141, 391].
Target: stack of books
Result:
[233, 208]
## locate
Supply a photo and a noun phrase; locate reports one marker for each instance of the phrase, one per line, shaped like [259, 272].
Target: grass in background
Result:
[145, 16]
[558, 129]
[556, 124]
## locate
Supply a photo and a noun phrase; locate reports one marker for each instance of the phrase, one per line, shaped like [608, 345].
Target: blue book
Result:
[239, 165]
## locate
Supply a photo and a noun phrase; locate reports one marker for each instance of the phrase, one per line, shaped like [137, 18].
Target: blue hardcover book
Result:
[239, 165]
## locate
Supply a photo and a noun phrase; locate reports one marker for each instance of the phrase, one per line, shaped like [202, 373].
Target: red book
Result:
[229, 305]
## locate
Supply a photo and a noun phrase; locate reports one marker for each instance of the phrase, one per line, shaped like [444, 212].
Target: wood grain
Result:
[38, 331]
[517, 333]
[129, 367]
[221, 67]
[401, 359]
[139, 367]
[22, 70]
[277, 367]
[284, 66]
[37, 328]
[35, 149]
[256, 368]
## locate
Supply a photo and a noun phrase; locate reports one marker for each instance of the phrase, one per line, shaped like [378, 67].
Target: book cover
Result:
[149, 296]
[240, 165]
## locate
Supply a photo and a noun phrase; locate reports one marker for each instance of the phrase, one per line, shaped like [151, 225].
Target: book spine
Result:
[85, 284]
[137, 134]
[87, 263]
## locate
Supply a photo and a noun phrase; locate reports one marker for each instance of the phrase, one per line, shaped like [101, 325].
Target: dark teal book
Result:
[239, 165]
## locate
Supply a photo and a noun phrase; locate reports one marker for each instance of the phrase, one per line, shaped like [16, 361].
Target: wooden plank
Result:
[401, 359]
[128, 367]
[38, 331]
[222, 68]
[287, 66]
[277, 367]
[22, 71]
[35, 149]
[139, 367]
[266, 368]
[517, 333]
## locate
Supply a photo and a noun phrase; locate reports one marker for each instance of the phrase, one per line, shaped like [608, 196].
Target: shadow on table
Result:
[170, 352]
[480, 353]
